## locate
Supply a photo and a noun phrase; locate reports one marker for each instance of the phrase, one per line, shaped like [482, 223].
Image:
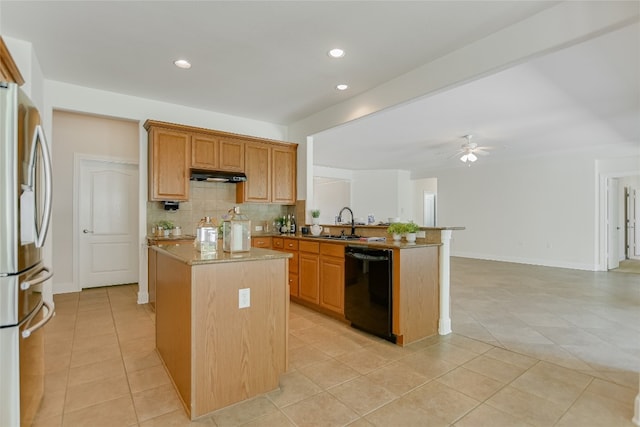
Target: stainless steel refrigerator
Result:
[25, 211]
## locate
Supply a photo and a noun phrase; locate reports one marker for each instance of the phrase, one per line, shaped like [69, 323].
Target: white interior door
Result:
[633, 223]
[429, 219]
[612, 224]
[108, 221]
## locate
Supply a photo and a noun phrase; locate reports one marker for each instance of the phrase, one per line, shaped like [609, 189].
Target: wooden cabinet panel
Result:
[151, 276]
[332, 277]
[232, 155]
[309, 275]
[294, 285]
[204, 152]
[312, 247]
[169, 163]
[290, 244]
[261, 242]
[283, 181]
[257, 188]
[277, 242]
[9, 71]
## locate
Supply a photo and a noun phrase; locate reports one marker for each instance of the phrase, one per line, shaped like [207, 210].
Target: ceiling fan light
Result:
[472, 157]
[464, 158]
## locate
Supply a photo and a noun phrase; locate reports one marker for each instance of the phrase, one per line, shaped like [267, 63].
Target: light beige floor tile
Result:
[488, 416]
[526, 406]
[474, 385]
[362, 395]
[117, 412]
[306, 355]
[450, 352]
[56, 380]
[315, 334]
[613, 391]
[552, 382]
[274, 419]
[141, 360]
[177, 418]
[56, 361]
[148, 378]
[244, 412]
[360, 422]
[594, 410]
[129, 348]
[329, 373]
[53, 421]
[397, 377]
[475, 346]
[103, 370]
[516, 359]
[320, 410]
[52, 404]
[402, 412]
[441, 401]
[363, 360]
[493, 368]
[427, 365]
[94, 342]
[88, 394]
[155, 402]
[337, 345]
[86, 357]
[388, 350]
[294, 386]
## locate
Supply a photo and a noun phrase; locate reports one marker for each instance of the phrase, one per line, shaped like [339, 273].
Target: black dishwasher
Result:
[368, 290]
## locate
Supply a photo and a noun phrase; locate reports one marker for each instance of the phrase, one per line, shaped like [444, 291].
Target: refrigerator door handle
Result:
[39, 140]
[50, 313]
[28, 283]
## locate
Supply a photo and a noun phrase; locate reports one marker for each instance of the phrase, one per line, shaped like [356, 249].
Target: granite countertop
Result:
[189, 255]
[171, 237]
[387, 244]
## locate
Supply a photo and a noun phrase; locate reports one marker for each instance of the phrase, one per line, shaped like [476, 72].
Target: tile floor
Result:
[532, 346]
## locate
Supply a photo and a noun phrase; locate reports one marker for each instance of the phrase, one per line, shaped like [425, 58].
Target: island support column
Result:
[444, 323]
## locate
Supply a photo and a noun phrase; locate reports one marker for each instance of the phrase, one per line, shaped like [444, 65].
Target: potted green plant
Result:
[397, 229]
[315, 215]
[411, 228]
[164, 225]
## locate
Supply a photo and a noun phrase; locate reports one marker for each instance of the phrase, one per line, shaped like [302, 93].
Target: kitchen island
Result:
[221, 323]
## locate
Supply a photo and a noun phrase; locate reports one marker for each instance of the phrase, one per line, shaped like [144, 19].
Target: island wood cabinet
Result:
[175, 149]
[169, 164]
[290, 246]
[309, 267]
[332, 277]
[271, 174]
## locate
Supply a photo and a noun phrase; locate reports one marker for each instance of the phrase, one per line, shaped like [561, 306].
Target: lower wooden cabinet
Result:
[261, 242]
[291, 246]
[332, 277]
[309, 269]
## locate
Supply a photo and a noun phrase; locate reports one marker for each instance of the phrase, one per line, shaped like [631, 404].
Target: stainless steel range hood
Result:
[218, 176]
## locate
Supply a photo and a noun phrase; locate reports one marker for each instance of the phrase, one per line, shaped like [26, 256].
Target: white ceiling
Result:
[267, 61]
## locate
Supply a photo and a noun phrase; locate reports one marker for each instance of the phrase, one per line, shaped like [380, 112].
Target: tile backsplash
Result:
[213, 199]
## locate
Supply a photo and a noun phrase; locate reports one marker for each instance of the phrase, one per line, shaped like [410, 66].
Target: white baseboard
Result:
[64, 288]
[143, 297]
[530, 261]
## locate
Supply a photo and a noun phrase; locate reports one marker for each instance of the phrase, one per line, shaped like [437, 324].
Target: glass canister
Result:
[236, 232]
[205, 226]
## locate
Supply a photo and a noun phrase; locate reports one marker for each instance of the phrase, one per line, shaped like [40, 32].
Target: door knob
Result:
[85, 231]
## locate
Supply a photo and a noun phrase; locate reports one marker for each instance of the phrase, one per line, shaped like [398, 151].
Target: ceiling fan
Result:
[469, 150]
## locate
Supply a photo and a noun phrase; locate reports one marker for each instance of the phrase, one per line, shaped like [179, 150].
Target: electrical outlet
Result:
[258, 228]
[244, 298]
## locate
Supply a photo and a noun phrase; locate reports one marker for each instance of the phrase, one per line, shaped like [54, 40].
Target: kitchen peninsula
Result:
[221, 323]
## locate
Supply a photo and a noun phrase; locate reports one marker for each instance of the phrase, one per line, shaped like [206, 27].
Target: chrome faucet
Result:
[353, 223]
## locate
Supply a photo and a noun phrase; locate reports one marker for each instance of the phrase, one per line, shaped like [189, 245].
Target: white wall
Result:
[420, 186]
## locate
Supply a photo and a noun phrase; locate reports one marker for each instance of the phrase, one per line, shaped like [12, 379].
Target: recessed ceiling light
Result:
[336, 53]
[182, 63]
[342, 87]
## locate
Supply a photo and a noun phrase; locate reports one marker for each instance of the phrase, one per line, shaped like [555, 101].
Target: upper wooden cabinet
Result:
[175, 149]
[169, 161]
[271, 174]
[9, 71]
[205, 152]
[232, 155]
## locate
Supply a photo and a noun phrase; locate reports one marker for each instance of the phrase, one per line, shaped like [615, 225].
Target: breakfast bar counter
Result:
[221, 323]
